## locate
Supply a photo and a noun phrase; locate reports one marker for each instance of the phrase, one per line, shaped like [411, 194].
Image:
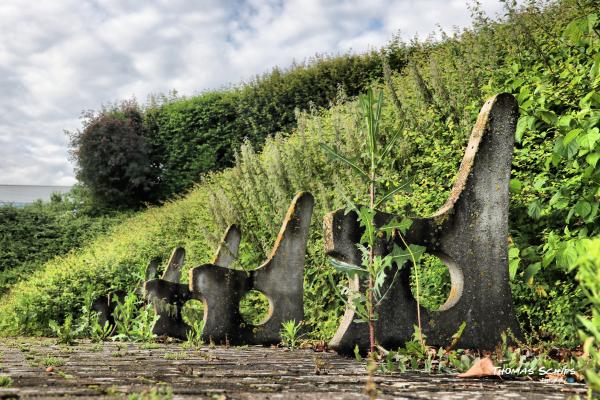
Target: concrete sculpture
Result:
[280, 279]
[168, 295]
[469, 233]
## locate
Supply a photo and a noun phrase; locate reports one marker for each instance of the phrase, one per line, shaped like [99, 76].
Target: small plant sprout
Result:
[133, 322]
[50, 361]
[289, 333]
[100, 333]
[65, 333]
[5, 381]
[194, 334]
[374, 267]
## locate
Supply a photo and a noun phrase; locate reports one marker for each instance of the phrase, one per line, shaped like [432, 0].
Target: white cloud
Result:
[60, 57]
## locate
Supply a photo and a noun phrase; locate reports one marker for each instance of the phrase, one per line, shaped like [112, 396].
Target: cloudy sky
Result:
[59, 57]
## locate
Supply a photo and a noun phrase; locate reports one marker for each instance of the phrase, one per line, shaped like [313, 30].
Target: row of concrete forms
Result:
[469, 233]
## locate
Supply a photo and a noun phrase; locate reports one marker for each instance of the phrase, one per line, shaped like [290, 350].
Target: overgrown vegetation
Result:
[588, 274]
[546, 56]
[129, 154]
[290, 333]
[32, 235]
[374, 268]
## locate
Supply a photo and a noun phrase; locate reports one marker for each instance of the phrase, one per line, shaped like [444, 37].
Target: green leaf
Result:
[535, 209]
[393, 225]
[513, 266]
[588, 141]
[513, 262]
[531, 271]
[595, 70]
[571, 135]
[400, 256]
[525, 123]
[589, 100]
[558, 201]
[336, 156]
[347, 268]
[365, 218]
[564, 122]
[577, 30]
[572, 149]
[567, 257]
[548, 117]
[539, 182]
[390, 144]
[592, 159]
[583, 208]
[379, 281]
[515, 185]
[392, 192]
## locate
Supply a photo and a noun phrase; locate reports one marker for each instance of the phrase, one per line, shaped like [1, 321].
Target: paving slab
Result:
[117, 370]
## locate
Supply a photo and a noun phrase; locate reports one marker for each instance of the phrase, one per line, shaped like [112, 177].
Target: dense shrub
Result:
[32, 235]
[113, 156]
[547, 57]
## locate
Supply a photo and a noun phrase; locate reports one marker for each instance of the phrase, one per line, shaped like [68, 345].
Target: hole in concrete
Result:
[440, 282]
[255, 308]
[192, 311]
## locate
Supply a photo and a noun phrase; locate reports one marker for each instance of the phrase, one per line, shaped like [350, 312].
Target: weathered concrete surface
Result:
[280, 279]
[469, 233]
[168, 296]
[112, 370]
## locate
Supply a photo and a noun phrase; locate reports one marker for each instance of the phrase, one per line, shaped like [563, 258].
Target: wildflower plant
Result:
[374, 268]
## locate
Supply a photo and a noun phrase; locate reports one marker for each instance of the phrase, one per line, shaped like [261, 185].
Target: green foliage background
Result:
[129, 154]
[32, 235]
[545, 54]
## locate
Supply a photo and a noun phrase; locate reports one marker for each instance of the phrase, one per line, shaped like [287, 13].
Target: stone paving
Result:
[41, 369]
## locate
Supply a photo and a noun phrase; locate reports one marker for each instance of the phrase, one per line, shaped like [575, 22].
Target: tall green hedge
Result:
[32, 235]
[192, 136]
[188, 137]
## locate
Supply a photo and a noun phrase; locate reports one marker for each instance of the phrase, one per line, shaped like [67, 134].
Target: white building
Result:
[20, 195]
